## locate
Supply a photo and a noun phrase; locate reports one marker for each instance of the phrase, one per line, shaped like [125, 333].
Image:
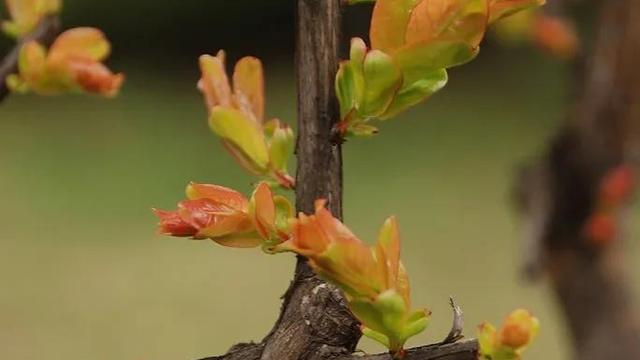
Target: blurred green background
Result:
[84, 274]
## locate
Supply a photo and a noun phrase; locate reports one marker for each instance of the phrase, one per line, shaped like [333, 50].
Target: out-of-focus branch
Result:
[560, 192]
[44, 33]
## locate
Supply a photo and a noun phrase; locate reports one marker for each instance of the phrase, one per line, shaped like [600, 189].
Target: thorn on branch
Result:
[457, 327]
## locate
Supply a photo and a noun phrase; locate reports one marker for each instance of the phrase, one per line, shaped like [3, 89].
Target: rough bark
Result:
[590, 281]
[463, 350]
[314, 316]
[44, 33]
[314, 321]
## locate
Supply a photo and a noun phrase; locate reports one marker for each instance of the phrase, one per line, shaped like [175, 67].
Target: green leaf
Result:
[392, 307]
[284, 212]
[345, 88]
[357, 55]
[386, 320]
[505, 353]
[16, 84]
[376, 336]
[487, 339]
[416, 92]
[350, 78]
[421, 59]
[499, 9]
[382, 79]
[281, 146]
[368, 314]
[360, 129]
[417, 323]
[241, 132]
[11, 28]
[32, 58]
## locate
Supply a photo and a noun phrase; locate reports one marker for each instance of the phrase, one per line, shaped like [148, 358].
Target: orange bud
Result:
[600, 228]
[72, 63]
[263, 211]
[556, 36]
[172, 224]
[228, 217]
[94, 77]
[220, 194]
[617, 185]
[312, 235]
[519, 329]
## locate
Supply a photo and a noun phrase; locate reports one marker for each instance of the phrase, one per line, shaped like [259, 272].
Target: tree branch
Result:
[462, 350]
[314, 317]
[44, 33]
[560, 192]
[315, 322]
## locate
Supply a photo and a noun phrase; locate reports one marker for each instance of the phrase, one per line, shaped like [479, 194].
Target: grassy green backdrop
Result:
[84, 274]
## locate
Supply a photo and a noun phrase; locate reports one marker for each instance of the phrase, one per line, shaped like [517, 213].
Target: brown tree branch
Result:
[559, 194]
[314, 318]
[314, 321]
[462, 350]
[44, 33]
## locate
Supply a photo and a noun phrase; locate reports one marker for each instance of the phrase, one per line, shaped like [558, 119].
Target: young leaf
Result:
[84, 42]
[346, 88]
[422, 59]
[280, 143]
[451, 20]
[228, 218]
[72, 64]
[382, 80]
[263, 211]
[501, 8]
[26, 14]
[214, 82]
[389, 24]
[416, 92]
[234, 126]
[248, 87]
[516, 334]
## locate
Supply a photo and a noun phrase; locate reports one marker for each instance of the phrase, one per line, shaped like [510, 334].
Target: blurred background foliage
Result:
[83, 273]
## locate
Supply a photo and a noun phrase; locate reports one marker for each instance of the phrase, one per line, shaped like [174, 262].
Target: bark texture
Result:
[44, 33]
[314, 321]
[559, 193]
[463, 350]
